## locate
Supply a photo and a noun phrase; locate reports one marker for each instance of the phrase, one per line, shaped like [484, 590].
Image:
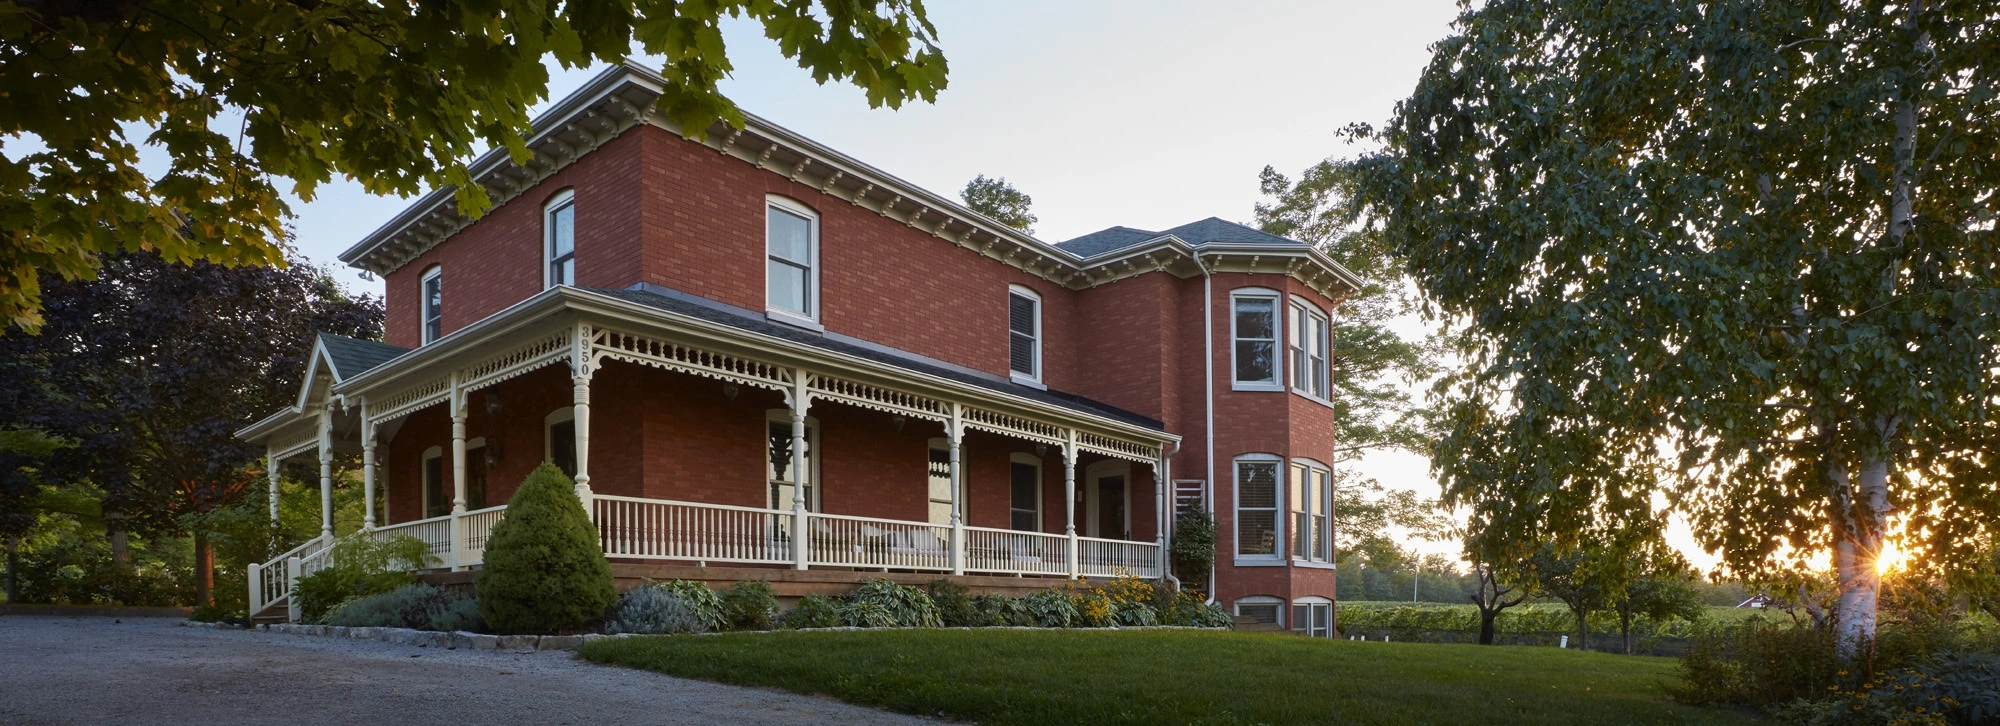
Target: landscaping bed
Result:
[1174, 676]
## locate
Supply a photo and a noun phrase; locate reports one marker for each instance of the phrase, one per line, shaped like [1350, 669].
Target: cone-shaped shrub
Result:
[544, 572]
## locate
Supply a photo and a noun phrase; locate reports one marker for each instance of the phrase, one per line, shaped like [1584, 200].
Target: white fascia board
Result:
[269, 424]
[508, 320]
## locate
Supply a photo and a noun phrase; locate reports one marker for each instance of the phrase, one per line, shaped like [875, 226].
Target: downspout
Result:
[1208, 380]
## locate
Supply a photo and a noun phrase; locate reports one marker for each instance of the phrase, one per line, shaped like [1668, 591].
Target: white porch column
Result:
[326, 473]
[367, 471]
[1163, 514]
[271, 463]
[954, 434]
[799, 399]
[1069, 497]
[580, 400]
[457, 473]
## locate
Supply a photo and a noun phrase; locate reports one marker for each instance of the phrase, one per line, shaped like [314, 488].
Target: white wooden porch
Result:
[655, 530]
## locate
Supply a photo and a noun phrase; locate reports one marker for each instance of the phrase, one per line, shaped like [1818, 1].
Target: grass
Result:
[1003, 676]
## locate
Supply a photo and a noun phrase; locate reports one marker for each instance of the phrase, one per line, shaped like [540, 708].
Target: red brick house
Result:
[760, 358]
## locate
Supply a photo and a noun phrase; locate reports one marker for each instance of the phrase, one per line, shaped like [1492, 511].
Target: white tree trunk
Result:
[1857, 553]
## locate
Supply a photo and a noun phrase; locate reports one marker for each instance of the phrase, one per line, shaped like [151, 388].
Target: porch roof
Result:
[756, 324]
[351, 357]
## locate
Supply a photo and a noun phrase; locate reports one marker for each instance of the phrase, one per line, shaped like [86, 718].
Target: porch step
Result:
[277, 612]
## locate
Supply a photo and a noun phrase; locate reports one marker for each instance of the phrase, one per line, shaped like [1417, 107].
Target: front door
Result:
[1106, 510]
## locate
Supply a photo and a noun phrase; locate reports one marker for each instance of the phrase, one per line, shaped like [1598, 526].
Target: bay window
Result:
[1312, 512]
[1253, 324]
[1257, 506]
[1310, 347]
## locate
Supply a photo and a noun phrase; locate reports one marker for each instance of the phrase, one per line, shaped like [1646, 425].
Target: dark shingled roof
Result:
[907, 362]
[354, 356]
[1202, 233]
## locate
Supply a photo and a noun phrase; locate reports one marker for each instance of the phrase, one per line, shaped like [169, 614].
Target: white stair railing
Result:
[270, 582]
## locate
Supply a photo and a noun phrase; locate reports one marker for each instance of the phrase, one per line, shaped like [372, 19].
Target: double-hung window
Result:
[1254, 336]
[1025, 489]
[1310, 348]
[1024, 334]
[1257, 522]
[940, 481]
[559, 244]
[1312, 512]
[791, 264]
[433, 303]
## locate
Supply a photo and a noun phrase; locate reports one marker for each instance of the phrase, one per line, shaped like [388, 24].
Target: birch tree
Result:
[1738, 256]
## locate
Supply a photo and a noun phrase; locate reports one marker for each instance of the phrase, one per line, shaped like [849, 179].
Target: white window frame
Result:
[1040, 336]
[424, 486]
[1307, 628]
[1277, 380]
[810, 319]
[425, 311]
[1319, 503]
[1278, 512]
[1041, 508]
[784, 416]
[1304, 314]
[940, 443]
[562, 199]
[1277, 607]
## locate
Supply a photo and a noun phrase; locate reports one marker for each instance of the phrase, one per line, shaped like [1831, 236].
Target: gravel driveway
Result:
[70, 670]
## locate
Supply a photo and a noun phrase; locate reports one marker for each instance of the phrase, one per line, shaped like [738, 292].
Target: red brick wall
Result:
[497, 260]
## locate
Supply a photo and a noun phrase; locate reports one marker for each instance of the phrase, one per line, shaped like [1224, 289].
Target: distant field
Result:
[1039, 677]
[1599, 621]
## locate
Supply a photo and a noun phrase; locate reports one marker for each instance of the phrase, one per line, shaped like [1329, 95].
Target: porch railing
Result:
[435, 532]
[1009, 552]
[657, 529]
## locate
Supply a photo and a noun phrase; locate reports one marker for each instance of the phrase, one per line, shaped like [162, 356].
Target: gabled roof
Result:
[1199, 234]
[350, 357]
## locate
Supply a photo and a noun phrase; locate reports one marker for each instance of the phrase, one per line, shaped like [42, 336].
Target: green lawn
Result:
[1038, 677]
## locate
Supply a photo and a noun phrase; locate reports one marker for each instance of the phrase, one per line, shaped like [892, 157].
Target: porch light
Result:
[730, 389]
[897, 421]
[492, 403]
[1042, 451]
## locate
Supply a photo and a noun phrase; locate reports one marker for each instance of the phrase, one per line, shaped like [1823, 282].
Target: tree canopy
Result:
[1000, 201]
[396, 96]
[1739, 255]
[146, 373]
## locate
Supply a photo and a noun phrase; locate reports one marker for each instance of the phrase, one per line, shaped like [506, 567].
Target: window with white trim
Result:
[1024, 482]
[437, 502]
[1310, 348]
[1261, 609]
[475, 474]
[559, 240]
[940, 481]
[559, 439]
[1312, 511]
[778, 469]
[433, 303]
[1313, 617]
[791, 264]
[1253, 332]
[1257, 524]
[1024, 333]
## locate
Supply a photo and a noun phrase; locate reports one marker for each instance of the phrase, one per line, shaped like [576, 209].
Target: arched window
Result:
[1312, 511]
[559, 240]
[778, 460]
[559, 440]
[1258, 528]
[1312, 616]
[1024, 334]
[437, 499]
[432, 303]
[1253, 334]
[1261, 609]
[791, 261]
